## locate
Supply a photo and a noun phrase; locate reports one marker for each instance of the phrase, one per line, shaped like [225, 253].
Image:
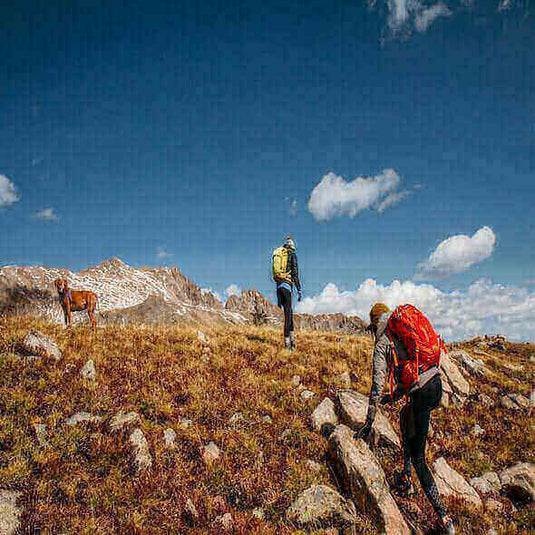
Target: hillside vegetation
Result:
[82, 478]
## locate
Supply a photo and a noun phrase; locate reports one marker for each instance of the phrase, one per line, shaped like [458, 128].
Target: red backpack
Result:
[423, 346]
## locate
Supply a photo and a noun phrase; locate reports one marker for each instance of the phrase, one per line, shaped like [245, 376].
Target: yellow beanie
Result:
[377, 311]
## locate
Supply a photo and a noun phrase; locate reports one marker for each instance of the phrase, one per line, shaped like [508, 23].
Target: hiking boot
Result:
[288, 343]
[292, 341]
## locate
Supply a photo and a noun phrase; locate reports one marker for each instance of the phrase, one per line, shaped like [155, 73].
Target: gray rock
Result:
[140, 449]
[319, 507]
[236, 418]
[353, 407]
[345, 380]
[515, 402]
[184, 423]
[459, 385]
[296, 379]
[210, 453]
[488, 483]
[224, 522]
[307, 394]
[89, 372]
[313, 465]
[324, 418]
[169, 436]
[9, 512]
[123, 419]
[267, 419]
[36, 343]
[451, 483]
[258, 512]
[472, 365]
[40, 433]
[202, 337]
[477, 431]
[362, 476]
[83, 417]
[518, 482]
[190, 510]
[485, 400]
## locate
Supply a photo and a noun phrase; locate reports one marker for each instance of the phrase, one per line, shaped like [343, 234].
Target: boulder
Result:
[307, 394]
[353, 407]
[487, 483]
[123, 419]
[9, 512]
[518, 482]
[515, 402]
[458, 383]
[324, 418]
[362, 476]
[472, 365]
[140, 449]
[82, 417]
[169, 436]
[320, 506]
[451, 483]
[210, 453]
[345, 380]
[89, 372]
[36, 343]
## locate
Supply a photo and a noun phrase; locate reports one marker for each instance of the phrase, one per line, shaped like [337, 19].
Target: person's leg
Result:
[286, 300]
[290, 320]
[423, 402]
[407, 426]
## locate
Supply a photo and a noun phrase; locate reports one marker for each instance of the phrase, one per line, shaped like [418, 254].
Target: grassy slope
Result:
[84, 482]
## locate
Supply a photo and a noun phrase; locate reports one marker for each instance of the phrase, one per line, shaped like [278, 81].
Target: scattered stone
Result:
[513, 367]
[190, 511]
[224, 522]
[169, 436]
[474, 366]
[210, 453]
[9, 512]
[345, 380]
[324, 418]
[89, 372]
[36, 343]
[123, 419]
[451, 483]
[140, 447]
[518, 482]
[488, 483]
[514, 402]
[313, 465]
[319, 507]
[236, 418]
[202, 337]
[477, 431]
[184, 423]
[258, 512]
[485, 400]
[458, 383]
[82, 417]
[267, 419]
[353, 408]
[40, 433]
[307, 394]
[362, 476]
[296, 380]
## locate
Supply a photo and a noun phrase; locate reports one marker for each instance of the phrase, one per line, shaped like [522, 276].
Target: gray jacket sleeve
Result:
[379, 373]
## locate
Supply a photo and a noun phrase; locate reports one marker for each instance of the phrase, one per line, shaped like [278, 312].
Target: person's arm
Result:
[294, 270]
[379, 372]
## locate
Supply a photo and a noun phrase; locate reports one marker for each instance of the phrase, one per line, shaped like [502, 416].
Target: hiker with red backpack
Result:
[285, 274]
[407, 351]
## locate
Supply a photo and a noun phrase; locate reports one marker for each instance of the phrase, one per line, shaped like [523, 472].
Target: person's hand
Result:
[364, 432]
[299, 296]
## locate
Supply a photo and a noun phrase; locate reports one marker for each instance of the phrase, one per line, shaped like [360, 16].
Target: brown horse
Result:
[76, 300]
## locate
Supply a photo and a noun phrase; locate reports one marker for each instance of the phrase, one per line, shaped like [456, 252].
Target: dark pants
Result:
[284, 300]
[414, 423]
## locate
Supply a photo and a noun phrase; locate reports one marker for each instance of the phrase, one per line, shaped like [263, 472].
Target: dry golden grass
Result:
[84, 482]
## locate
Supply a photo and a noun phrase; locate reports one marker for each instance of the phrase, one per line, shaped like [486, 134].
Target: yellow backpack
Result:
[280, 265]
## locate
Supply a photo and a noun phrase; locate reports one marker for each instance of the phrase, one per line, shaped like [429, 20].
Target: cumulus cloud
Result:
[424, 18]
[162, 253]
[484, 308]
[232, 289]
[9, 194]
[46, 214]
[334, 196]
[458, 253]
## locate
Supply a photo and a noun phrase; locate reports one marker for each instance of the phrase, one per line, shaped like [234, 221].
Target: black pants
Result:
[414, 423]
[284, 300]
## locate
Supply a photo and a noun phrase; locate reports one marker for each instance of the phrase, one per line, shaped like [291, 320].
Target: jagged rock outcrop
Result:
[36, 343]
[456, 382]
[352, 408]
[473, 365]
[518, 481]
[319, 507]
[324, 418]
[364, 479]
[451, 483]
[487, 483]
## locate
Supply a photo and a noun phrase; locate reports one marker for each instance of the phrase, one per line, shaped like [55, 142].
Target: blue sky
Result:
[181, 134]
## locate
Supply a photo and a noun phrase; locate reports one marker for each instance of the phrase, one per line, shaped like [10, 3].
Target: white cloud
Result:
[426, 17]
[46, 214]
[162, 254]
[232, 289]
[458, 253]
[484, 308]
[8, 192]
[334, 196]
[293, 207]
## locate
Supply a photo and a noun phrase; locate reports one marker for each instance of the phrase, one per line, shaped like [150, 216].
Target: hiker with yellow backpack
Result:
[407, 351]
[285, 274]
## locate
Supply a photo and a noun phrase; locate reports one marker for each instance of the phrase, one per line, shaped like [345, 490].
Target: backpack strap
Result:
[392, 365]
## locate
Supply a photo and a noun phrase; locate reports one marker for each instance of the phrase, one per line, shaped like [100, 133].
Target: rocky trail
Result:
[165, 431]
